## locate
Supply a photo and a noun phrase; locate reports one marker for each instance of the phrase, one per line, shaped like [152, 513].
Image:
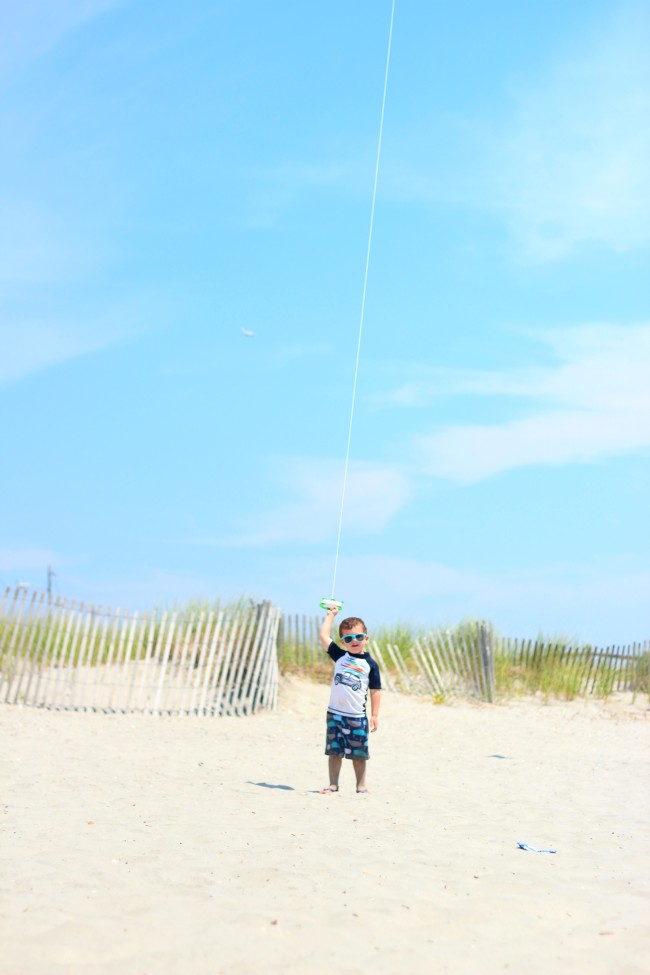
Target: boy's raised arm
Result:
[326, 628]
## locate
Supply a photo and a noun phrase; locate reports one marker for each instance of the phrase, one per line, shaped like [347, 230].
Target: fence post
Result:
[487, 658]
[281, 638]
[385, 676]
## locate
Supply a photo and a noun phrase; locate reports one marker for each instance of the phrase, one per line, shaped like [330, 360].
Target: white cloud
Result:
[433, 383]
[593, 404]
[33, 347]
[316, 351]
[31, 28]
[38, 247]
[374, 494]
[277, 187]
[567, 164]
[573, 166]
[306, 176]
[472, 453]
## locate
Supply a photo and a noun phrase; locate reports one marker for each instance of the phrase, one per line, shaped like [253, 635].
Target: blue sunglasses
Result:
[359, 637]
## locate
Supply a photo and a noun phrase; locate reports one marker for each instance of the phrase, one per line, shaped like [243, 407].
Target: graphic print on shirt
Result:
[350, 674]
[353, 675]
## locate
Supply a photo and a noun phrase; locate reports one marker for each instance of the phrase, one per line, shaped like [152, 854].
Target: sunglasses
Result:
[359, 637]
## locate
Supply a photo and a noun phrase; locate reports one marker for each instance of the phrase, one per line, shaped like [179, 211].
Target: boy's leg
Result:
[335, 762]
[334, 748]
[360, 772]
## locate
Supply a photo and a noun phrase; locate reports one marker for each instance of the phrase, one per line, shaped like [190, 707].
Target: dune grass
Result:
[61, 635]
[551, 672]
[563, 668]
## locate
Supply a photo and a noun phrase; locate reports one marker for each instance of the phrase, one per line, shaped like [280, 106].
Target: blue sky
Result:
[172, 174]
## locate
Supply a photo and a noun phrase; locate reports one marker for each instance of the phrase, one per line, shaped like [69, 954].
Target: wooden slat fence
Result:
[440, 664]
[298, 641]
[463, 662]
[67, 656]
[590, 669]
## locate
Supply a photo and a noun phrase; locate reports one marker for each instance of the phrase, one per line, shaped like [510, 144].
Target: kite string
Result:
[363, 302]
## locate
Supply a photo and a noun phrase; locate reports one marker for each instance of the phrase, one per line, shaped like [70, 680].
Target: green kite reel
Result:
[331, 604]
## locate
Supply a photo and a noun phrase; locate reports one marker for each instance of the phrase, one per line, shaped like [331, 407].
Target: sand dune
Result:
[135, 845]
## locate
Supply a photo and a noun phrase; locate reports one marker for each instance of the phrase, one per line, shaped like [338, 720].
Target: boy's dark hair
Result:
[353, 623]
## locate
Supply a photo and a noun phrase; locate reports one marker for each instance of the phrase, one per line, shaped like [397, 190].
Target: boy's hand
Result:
[332, 611]
[374, 723]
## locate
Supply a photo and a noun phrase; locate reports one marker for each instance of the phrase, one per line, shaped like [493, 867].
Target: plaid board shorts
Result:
[347, 736]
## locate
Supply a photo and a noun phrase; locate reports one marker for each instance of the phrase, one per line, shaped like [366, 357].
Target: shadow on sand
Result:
[270, 785]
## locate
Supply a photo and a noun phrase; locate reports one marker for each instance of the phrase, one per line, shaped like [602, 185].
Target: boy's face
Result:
[358, 642]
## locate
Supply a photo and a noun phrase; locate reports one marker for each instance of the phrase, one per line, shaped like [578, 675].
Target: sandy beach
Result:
[135, 845]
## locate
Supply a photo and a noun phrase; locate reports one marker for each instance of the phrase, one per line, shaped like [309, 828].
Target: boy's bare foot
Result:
[329, 789]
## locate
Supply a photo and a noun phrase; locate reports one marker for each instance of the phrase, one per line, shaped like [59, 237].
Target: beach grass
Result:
[61, 636]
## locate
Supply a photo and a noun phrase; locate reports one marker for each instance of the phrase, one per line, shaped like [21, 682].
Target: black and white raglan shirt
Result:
[354, 675]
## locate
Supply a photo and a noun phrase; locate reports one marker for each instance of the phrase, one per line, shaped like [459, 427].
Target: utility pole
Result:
[50, 576]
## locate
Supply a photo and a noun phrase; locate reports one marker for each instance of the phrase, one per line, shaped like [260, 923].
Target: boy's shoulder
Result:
[371, 660]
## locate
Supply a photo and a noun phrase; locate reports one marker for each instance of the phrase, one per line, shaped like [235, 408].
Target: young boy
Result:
[355, 673]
